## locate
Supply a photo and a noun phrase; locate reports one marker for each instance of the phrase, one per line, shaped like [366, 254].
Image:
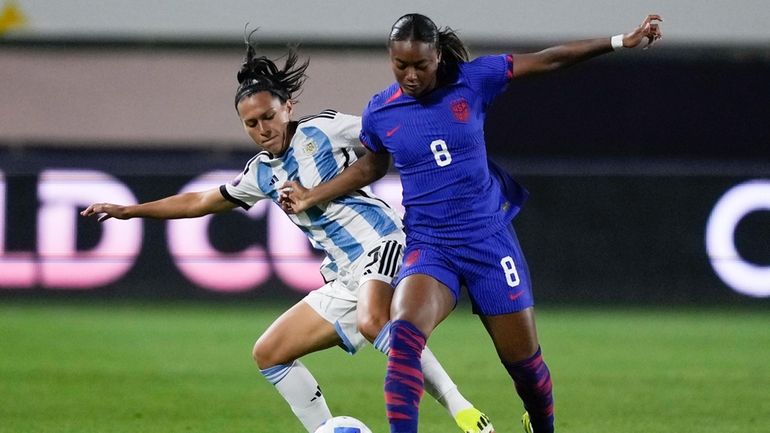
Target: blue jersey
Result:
[437, 143]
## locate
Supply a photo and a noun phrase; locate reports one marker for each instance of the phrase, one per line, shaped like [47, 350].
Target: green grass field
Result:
[82, 368]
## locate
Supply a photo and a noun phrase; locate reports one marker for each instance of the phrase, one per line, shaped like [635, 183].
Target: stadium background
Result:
[626, 156]
[649, 174]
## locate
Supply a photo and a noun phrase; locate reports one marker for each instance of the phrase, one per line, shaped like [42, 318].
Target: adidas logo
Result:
[318, 394]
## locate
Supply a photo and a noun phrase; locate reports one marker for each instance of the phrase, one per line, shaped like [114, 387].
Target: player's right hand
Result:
[293, 197]
[104, 211]
[649, 29]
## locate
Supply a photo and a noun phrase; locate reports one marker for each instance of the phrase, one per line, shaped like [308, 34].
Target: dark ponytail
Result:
[259, 74]
[417, 27]
[452, 49]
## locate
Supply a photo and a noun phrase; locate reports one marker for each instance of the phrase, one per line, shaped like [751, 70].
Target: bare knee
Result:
[373, 312]
[514, 335]
[370, 325]
[266, 354]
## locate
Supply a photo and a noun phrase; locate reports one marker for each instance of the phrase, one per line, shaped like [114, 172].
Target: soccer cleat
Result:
[526, 423]
[472, 420]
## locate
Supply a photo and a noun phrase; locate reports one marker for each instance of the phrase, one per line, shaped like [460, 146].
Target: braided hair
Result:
[418, 27]
[258, 74]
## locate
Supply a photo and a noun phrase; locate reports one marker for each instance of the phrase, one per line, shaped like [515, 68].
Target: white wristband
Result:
[617, 42]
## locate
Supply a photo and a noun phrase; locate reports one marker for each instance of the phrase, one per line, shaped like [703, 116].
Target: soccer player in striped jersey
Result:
[360, 234]
[458, 207]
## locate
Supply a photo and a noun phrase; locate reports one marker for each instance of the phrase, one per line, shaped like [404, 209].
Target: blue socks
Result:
[533, 384]
[404, 382]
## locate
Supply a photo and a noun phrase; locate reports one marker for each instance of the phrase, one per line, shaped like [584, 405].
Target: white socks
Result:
[300, 389]
[440, 386]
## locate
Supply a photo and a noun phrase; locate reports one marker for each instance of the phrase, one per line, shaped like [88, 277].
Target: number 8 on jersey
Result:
[441, 153]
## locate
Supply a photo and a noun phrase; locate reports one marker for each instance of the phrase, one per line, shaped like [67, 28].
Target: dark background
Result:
[702, 104]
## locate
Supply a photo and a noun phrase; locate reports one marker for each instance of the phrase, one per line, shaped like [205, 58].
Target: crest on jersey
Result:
[310, 148]
[461, 110]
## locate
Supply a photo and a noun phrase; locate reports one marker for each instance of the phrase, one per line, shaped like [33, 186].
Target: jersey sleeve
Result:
[349, 130]
[243, 190]
[369, 136]
[490, 75]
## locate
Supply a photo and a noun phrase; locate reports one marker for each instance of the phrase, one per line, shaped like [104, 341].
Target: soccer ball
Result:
[343, 424]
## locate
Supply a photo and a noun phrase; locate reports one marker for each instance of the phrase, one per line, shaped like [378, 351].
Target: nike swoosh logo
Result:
[513, 297]
[392, 131]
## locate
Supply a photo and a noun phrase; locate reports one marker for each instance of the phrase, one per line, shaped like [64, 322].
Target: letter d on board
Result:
[62, 193]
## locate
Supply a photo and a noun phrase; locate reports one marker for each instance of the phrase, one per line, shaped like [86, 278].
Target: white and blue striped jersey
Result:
[322, 146]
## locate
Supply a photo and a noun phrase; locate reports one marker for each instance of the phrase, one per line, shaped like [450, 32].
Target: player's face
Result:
[414, 65]
[265, 119]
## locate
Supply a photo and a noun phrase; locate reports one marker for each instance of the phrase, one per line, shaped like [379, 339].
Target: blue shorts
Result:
[493, 270]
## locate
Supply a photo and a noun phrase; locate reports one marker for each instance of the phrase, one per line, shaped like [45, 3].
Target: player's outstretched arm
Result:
[560, 56]
[187, 205]
[371, 166]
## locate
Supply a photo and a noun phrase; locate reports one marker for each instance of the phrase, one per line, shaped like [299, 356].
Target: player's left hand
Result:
[649, 29]
[293, 197]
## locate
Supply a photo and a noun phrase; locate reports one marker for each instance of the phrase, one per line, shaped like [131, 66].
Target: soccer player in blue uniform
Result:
[458, 208]
[360, 234]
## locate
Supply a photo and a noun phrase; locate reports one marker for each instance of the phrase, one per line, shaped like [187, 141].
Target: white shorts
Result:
[336, 302]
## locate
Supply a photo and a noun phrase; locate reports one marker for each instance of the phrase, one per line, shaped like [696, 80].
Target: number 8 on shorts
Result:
[511, 275]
